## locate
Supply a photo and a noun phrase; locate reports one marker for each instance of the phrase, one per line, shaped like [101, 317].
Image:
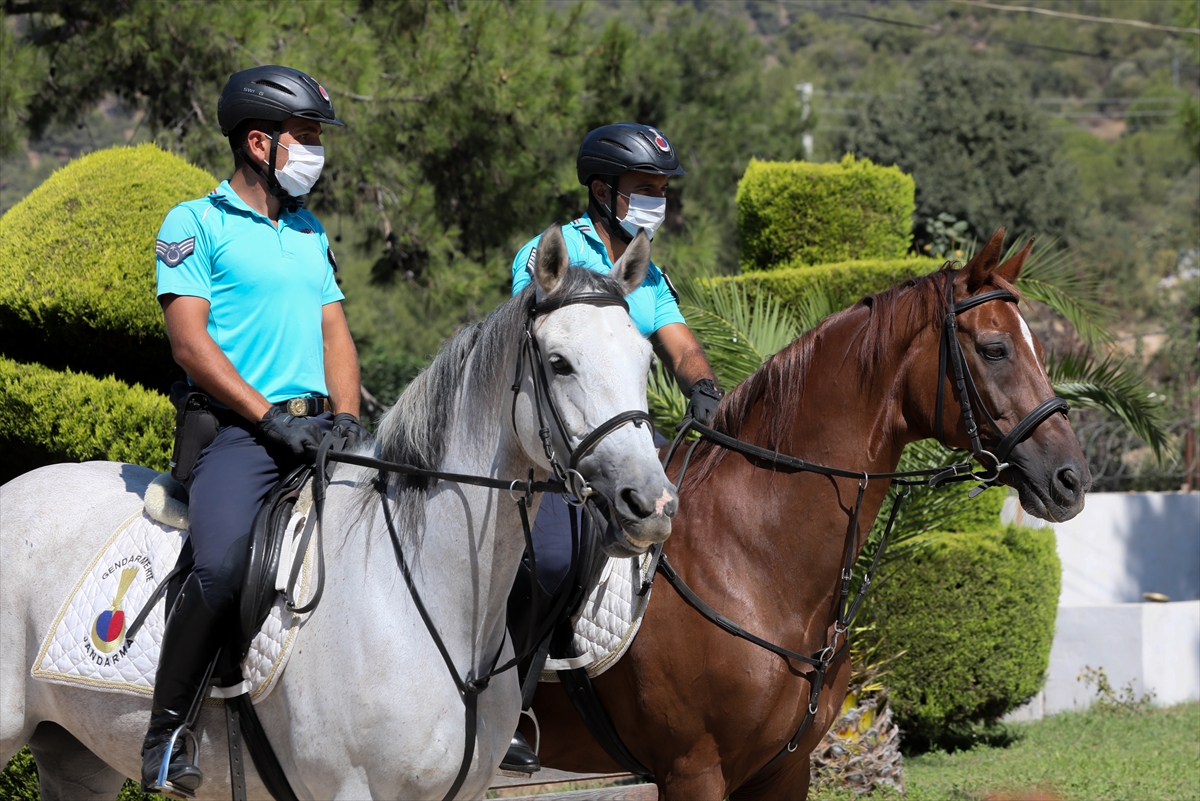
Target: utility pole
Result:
[806, 140]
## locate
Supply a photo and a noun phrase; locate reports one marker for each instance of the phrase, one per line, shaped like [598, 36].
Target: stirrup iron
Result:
[161, 784]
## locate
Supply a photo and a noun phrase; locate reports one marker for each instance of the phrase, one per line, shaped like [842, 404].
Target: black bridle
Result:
[577, 487]
[993, 463]
[566, 480]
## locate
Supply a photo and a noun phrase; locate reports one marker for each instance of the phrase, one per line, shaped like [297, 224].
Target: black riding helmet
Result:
[272, 93]
[611, 150]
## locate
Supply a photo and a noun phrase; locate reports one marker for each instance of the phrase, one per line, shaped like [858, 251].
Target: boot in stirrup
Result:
[190, 642]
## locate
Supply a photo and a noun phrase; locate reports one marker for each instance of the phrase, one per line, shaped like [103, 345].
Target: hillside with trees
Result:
[463, 119]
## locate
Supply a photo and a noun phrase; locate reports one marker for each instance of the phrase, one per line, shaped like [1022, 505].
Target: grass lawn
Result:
[1090, 756]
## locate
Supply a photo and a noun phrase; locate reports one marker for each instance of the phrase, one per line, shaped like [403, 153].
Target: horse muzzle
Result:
[633, 522]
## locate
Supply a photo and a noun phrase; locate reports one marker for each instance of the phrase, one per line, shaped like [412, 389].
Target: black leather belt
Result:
[305, 407]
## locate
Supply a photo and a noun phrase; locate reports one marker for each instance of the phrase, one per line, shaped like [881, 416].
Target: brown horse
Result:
[706, 711]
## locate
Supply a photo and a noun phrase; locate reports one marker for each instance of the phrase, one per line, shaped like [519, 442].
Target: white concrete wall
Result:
[1125, 543]
[1119, 546]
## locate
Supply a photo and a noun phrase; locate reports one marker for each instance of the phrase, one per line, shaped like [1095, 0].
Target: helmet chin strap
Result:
[609, 216]
[288, 202]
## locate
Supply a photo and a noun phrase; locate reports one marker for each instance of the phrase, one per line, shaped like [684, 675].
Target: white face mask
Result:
[644, 212]
[302, 169]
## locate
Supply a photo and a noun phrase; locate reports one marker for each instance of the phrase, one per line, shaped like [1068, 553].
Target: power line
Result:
[1108, 20]
[1013, 42]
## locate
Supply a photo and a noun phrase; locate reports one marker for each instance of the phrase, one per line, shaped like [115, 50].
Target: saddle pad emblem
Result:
[172, 253]
[87, 643]
[108, 632]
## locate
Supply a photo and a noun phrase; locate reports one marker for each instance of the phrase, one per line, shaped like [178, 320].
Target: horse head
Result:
[1004, 361]
[595, 364]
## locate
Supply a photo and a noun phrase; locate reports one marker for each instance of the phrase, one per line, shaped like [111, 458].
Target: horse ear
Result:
[1012, 268]
[630, 269]
[551, 262]
[980, 267]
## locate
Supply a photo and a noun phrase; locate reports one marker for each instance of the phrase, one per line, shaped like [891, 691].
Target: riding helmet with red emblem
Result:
[613, 149]
[273, 93]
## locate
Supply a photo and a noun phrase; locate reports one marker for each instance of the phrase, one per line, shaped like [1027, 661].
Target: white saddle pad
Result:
[87, 646]
[608, 620]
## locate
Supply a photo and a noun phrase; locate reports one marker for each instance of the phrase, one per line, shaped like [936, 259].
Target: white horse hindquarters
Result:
[52, 522]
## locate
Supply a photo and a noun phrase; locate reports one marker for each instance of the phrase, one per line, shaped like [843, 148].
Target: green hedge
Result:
[49, 416]
[800, 212]
[973, 614]
[844, 282]
[77, 264]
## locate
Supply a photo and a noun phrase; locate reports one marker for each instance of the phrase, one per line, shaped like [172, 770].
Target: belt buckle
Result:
[298, 407]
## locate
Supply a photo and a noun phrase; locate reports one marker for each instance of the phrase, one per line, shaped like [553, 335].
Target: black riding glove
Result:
[300, 435]
[347, 425]
[705, 397]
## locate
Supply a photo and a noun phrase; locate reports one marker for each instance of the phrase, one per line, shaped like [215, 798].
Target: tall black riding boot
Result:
[190, 642]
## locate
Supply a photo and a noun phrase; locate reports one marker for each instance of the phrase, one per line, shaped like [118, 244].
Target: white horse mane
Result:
[416, 430]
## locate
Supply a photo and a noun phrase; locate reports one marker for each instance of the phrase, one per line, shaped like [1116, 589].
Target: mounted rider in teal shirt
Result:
[626, 167]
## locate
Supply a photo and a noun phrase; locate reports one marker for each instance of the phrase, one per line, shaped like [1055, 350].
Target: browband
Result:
[590, 298]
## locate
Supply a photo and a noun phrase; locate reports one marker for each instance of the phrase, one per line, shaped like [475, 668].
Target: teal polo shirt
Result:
[265, 286]
[652, 305]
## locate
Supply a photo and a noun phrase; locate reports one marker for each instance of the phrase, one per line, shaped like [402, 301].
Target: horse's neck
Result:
[840, 421]
[477, 544]
[463, 560]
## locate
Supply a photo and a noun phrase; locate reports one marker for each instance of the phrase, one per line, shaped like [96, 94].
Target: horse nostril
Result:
[634, 503]
[1068, 479]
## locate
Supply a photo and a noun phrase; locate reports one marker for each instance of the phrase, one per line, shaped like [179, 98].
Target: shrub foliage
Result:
[77, 264]
[972, 615]
[843, 283]
[802, 212]
[50, 416]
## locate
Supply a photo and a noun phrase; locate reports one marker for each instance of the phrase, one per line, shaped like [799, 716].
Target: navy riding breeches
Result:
[551, 534]
[227, 486]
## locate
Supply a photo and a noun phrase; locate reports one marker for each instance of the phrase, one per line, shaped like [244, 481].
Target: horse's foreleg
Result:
[695, 777]
[789, 781]
[68, 770]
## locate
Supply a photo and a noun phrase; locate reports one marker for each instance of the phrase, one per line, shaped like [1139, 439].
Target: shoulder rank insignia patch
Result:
[172, 253]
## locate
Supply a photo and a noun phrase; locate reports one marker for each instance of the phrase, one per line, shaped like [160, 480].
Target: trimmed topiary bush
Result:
[77, 264]
[49, 416]
[800, 212]
[843, 282]
[973, 614]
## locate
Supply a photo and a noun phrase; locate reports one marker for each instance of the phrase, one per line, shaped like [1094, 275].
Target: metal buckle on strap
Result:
[305, 407]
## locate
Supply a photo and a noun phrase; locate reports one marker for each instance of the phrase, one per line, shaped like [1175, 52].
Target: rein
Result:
[993, 463]
[567, 481]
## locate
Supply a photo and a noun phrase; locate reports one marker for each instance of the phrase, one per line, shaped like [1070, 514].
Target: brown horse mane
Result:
[777, 387]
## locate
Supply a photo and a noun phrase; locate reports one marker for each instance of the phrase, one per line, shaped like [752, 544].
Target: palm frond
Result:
[1107, 384]
[666, 401]
[737, 335]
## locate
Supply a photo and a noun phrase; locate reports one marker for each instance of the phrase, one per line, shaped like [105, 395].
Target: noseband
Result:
[577, 486]
[994, 461]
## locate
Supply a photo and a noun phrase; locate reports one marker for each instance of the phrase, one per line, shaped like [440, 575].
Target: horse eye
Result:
[559, 365]
[994, 352]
